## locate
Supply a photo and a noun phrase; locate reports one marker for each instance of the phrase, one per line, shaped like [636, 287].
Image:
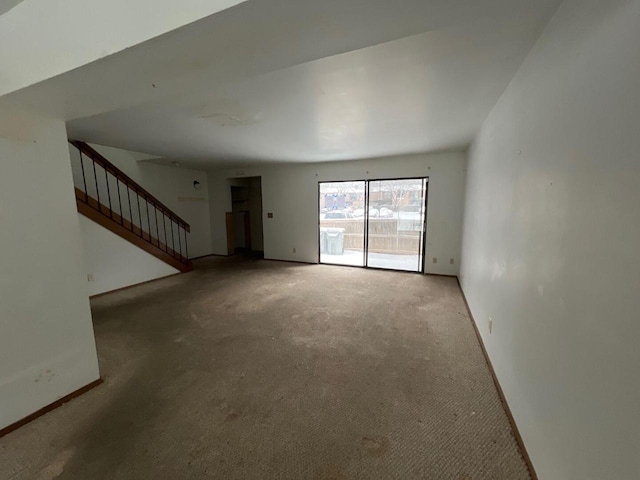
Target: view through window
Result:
[342, 223]
[376, 223]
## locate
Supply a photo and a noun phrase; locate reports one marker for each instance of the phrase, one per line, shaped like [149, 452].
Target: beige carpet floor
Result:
[250, 369]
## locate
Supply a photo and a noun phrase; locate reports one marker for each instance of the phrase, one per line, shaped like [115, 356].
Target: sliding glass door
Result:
[396, 224]
[342, 222]
[375, 223]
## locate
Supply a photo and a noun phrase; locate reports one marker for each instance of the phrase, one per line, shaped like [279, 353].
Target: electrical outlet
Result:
[451, 261]
[90, 277]
[435, 259]
[490, 325]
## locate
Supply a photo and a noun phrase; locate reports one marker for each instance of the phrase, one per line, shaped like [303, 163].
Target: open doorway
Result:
[244, 222]
[241, 219]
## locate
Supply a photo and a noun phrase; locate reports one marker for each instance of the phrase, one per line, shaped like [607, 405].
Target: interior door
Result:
[396, 224]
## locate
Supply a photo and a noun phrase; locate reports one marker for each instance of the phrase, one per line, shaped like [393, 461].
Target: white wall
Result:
[290, 192]
[113, 262]
[173, 186]
[551, 245]
[47, 348]
[40, 39]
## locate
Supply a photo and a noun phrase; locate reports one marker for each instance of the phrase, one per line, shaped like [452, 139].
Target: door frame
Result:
[423, 237]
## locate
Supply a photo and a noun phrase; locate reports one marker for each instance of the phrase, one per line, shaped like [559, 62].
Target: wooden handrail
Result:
[102, 215]
[128, 181]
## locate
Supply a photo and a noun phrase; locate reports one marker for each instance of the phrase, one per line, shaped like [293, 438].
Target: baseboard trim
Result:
[290, 261]
[440, 275]
[52, 406]
[503, 399]
[97, 295]
[208, 255]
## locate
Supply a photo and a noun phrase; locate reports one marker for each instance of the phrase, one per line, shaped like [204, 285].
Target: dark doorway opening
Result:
[244, 222]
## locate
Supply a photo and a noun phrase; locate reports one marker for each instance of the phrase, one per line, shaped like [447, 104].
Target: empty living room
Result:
[302, 239]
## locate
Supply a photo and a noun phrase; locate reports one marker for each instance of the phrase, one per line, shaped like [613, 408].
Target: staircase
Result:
[109, 197]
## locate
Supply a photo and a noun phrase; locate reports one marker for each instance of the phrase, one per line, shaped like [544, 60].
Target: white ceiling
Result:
[304, 81]
[42, 38]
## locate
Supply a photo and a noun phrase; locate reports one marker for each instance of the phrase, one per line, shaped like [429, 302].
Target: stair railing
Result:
[97, 181]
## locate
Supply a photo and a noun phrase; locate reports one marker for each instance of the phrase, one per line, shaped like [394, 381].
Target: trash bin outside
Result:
[323, 240]
[335, 241]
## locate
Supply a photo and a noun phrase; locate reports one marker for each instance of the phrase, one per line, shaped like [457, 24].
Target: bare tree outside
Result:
[398, 190]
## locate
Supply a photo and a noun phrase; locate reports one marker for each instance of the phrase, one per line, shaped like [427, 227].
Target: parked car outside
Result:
[359, 213]
[386, 212]
[337, 215]
[410, 212]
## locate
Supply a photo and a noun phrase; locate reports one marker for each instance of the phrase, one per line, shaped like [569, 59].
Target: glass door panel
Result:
[396, 223]
[342, 222]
